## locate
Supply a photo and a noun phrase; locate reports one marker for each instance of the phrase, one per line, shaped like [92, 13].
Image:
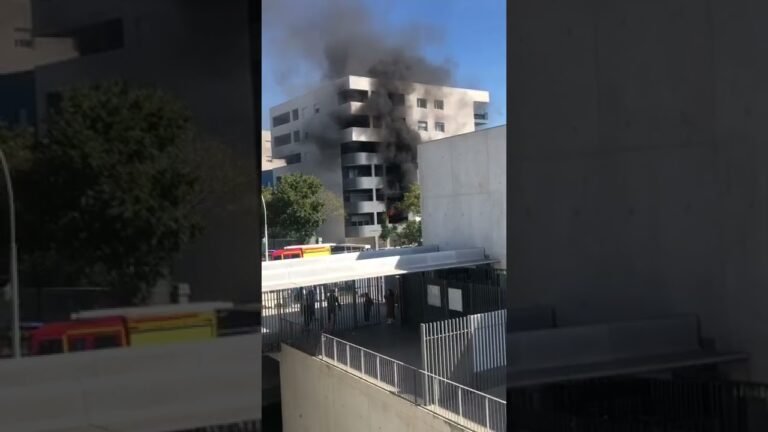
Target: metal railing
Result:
[457, 403]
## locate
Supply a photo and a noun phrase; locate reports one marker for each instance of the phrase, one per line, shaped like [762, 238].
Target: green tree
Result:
[298, 206]
[410, 233]
[110, 195]
[412, 200]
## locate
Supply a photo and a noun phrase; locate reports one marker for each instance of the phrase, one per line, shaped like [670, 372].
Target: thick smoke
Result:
[326, 40]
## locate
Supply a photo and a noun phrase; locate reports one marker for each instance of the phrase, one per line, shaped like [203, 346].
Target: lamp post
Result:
[13, 267]
[266, 234]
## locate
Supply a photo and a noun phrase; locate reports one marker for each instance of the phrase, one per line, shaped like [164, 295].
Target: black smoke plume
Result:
[325, 40]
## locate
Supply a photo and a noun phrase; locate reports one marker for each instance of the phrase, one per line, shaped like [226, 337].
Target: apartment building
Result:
[331, 133]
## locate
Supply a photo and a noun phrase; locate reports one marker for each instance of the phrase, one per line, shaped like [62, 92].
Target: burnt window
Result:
[296, 136]
[281, 119]
[106, 341]
[50, 346]
[99, 38]
[293, 159]
[358, 121]
[352, 95]
[282, 140]
[295, 114]
[398, 99]
[359, 147]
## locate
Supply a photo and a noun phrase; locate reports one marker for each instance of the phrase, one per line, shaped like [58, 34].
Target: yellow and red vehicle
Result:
[302, 251]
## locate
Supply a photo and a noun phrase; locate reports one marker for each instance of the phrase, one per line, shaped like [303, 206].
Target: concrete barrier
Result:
[148, 389]
[320, 397]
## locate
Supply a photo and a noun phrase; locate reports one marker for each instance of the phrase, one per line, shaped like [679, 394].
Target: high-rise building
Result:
[363, 153]
[268, 162]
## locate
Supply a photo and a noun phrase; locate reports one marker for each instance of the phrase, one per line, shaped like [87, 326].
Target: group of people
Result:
[307, 299]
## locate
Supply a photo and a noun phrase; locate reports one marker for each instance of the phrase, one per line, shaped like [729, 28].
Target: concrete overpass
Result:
[148, 389]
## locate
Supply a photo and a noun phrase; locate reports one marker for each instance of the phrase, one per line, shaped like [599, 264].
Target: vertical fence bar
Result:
[378, 368]
[487, 414]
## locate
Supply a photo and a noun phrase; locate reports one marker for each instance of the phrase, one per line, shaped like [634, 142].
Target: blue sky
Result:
[475, 39]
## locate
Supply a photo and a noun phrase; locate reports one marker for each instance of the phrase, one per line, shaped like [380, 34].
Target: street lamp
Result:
[266, 235]
[14, 271]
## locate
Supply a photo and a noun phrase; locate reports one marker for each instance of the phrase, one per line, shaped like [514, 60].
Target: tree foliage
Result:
[298, 206]
[109, 195]
[412, 200]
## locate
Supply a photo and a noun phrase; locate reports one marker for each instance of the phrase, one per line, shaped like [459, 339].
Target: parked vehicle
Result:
[302, 251]
[153, 325]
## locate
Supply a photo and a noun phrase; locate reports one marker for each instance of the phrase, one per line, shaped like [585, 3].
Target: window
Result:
[106, 341]
[293, 159]
[278, 179]
[359, 147]
[398, 99]
[440, 126]
[378, 171]
[358, 196]
[282, 140]
[356, 171]
[295, 114]
[50, 346]
[296, 136]
[317, 109]
[376, 122]
[281, 119]
[423, 126]
[360, 219]
[421, 103]
[439, 104]
[380, 195]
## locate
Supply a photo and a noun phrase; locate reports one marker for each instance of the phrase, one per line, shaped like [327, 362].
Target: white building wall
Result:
[463, 192]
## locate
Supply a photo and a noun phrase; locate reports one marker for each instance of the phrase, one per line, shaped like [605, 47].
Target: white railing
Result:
[462, 405]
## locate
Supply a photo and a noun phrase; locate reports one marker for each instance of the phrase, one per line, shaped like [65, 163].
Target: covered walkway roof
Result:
[338, 268]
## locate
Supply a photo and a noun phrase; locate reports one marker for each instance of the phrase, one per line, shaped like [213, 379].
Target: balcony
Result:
[362, 231]
[481, 118]
[363, 183]
[352, 108]
[361, 159]
[361, 134]
[365, 207]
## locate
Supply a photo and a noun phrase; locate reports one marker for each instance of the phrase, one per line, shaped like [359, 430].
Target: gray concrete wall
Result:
[638, 163]
[200, 53]
[464, 193]
[320, 397]
[149, 389]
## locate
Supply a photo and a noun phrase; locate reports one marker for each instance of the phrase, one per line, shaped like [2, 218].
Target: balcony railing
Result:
[459, 404]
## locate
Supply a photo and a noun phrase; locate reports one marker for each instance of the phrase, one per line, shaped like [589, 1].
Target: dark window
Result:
[360, 121]
[281, 119]
[98, 38]
[360, 219]
[78, 344]
[317, 109]
[24, 43]
[296, 136]
[282, 140]
[359, 147]
[421, 103]
[379, 171]
[351, 95]
[278, 179]
[380, 217]
[379, 194]
[51, 346]
[358, 196]
[356, 171]
[398, 99]
[106, 341]
[439, 104]
[293, 159]
[295, 114]
[376, 122]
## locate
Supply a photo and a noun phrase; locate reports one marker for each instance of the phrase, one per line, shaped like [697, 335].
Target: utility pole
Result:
[266, 234]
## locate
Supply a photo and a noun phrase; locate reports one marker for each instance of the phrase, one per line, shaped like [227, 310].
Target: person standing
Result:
[333, 307]
[389, 299]
[367, 306]
[311, 299]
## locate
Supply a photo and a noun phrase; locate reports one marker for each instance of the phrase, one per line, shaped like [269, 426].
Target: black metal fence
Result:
[307, 308]
[244, 426]
[640, 405]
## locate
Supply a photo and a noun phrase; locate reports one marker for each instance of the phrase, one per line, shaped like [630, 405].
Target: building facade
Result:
[268, 162]
[201, 54]
[330, 133]
[463, 183]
